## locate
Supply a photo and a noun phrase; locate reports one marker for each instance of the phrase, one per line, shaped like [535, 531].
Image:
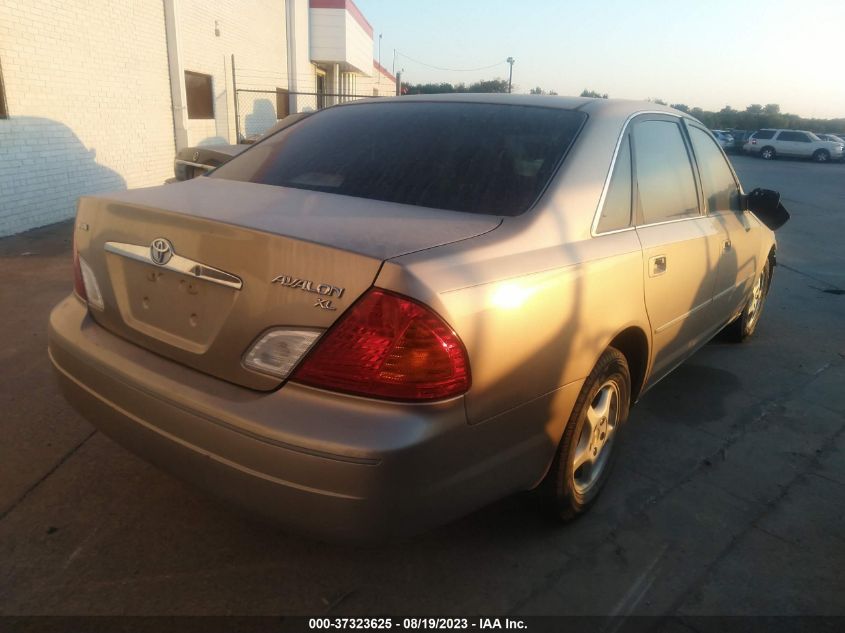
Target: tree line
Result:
[757, 116]
[754, 117]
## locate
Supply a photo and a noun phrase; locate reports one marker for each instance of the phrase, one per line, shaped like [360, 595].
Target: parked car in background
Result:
[724, 138]
[740, 138]
[769, 144]
[395, 312]
[836, 138]
[191, 162]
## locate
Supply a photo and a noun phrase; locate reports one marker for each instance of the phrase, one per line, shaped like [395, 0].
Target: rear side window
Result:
[479, 158]
[720, 188]
[665, 183]
[616, 212]
[763, 134]
[797, 137]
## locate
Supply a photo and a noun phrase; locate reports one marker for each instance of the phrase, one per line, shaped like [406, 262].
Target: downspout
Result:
[178, 97]
[290, 32]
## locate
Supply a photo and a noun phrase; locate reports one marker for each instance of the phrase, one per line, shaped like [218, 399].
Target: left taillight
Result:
[78, 284]
[85, 282]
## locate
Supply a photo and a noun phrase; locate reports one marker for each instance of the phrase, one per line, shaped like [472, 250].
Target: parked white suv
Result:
[772, 143]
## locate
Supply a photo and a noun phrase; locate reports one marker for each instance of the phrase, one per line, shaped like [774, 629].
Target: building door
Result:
[321, 90]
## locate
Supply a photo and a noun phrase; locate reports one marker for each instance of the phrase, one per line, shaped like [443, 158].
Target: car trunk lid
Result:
[242, 258]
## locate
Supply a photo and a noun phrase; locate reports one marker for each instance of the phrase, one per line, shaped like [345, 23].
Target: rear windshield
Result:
[479, 158]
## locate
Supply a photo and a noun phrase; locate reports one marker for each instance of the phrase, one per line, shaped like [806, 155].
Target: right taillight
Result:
[388, 346]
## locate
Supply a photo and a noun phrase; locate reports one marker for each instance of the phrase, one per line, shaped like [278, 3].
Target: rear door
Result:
[681, 245]
[793, 143]
[740, 246]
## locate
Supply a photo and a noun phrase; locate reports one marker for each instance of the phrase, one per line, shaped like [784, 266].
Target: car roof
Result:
[585, 104]
[782, 129]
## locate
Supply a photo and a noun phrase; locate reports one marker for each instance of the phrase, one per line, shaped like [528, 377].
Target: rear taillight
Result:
[754, 141]
[78, 284]
[388, 346]
[85, 282]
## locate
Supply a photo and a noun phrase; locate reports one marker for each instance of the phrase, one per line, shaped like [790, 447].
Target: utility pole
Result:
[510, 60]
[379, 50]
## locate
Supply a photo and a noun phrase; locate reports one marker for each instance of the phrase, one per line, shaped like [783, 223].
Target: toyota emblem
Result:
[161, 250]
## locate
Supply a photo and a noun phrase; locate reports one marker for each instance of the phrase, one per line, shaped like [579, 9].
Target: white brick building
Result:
[99, 95]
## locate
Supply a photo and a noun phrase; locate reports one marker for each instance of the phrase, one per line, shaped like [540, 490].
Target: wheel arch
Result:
[633, 343]
[773, 261]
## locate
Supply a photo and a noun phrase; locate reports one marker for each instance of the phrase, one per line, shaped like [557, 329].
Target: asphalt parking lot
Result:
[728, 497]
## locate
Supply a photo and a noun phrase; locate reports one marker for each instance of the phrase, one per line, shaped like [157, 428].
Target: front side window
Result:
[763, 135]
[616, 212]
[665, 182]
[200, 95]
[717, 180]
[473, 157]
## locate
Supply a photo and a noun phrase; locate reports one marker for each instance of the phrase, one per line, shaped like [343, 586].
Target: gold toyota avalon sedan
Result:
[395, 311]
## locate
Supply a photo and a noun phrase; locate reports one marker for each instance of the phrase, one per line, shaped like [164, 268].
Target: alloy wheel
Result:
[756, 303]
[595, 443]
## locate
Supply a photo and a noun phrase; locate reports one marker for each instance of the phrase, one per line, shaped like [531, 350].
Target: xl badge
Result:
[326, 290]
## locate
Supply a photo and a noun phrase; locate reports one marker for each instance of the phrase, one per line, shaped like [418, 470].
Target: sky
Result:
[705, 53]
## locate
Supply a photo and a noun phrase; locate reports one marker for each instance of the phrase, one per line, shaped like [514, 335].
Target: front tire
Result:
[746, 323]
[590, 440]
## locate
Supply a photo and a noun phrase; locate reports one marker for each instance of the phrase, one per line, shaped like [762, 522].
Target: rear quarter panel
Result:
[532, 320]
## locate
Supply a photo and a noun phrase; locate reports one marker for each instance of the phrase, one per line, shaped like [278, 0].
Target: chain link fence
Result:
[259, 110]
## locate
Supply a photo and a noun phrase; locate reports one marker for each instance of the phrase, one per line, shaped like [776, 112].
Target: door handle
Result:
[657, 265]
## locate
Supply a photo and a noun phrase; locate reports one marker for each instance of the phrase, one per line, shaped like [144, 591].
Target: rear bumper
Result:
[323, 464]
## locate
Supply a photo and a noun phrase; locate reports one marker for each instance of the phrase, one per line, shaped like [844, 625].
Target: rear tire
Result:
[746, 323]
[821, 156]
[590, 440]
[767, 153]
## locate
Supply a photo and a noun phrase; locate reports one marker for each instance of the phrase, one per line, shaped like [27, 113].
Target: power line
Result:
[455, 70]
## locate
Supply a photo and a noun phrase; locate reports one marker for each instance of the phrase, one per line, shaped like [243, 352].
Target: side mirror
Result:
[766, 205]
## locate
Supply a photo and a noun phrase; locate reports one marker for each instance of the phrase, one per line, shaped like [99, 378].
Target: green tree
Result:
[683, 107]
[428, 89]
[489, 85]
[485, 85]
[593, 94]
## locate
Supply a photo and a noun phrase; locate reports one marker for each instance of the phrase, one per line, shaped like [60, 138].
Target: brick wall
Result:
[255, 33]
[88, 94]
